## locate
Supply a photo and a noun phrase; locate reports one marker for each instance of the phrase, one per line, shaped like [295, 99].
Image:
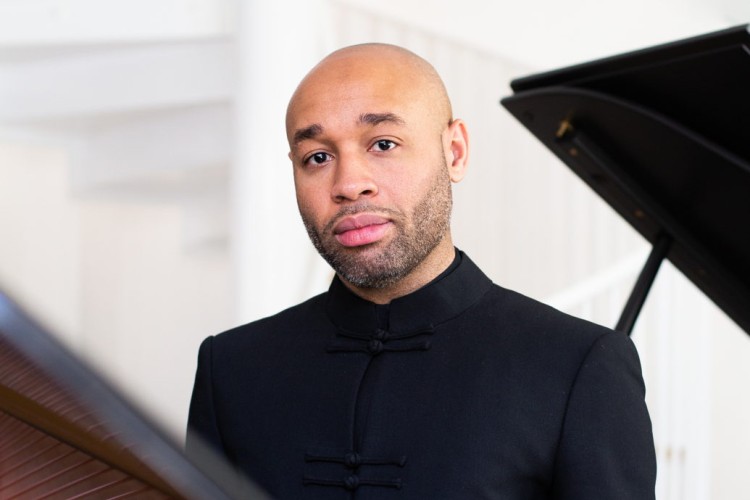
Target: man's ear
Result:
[456, 141]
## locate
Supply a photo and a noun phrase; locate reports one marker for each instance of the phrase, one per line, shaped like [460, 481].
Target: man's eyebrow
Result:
[307, 133]
[314, 130]
[377, 118]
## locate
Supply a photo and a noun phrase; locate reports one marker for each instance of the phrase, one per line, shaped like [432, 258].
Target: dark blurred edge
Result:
[163, 464]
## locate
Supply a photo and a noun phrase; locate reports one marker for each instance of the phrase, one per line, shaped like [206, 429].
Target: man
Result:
[413, 376]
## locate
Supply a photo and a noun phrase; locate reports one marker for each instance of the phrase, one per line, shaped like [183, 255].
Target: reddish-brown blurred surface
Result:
[52, 446]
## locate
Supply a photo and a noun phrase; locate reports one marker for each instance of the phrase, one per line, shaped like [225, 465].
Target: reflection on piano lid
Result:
[663, 135]
[64, 433]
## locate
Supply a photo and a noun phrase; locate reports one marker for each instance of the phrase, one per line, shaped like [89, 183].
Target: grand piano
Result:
[662, 134]
[65, 433]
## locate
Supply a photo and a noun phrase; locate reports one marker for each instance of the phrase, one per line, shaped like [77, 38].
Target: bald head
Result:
[387, 70]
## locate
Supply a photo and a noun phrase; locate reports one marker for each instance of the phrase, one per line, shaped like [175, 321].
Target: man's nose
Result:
[353, 179]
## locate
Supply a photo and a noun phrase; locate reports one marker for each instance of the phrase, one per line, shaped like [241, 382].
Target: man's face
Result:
[370, 173]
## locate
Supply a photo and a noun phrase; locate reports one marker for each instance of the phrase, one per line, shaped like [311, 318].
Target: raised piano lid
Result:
[65, 433]
[663, 135]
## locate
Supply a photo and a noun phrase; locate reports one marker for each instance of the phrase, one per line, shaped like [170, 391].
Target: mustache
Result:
[358, 209]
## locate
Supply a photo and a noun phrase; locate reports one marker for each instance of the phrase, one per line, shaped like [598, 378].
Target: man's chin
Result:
[369, 281]
[363, 267]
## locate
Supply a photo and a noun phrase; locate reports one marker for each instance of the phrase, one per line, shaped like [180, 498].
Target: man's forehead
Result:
[351, 78]
[359, 92]
[375, 60]
[353, 83]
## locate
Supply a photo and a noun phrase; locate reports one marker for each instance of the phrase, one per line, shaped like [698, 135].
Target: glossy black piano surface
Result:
[663, 135]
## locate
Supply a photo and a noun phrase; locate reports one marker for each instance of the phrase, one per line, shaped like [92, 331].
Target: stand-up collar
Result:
[437, 302]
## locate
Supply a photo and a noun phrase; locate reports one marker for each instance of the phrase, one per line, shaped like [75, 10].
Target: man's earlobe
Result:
[459, 150]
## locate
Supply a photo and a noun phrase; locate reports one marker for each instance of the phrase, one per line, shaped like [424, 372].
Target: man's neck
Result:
[430, 268]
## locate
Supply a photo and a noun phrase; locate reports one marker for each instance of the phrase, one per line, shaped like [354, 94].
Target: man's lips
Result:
[362, 229]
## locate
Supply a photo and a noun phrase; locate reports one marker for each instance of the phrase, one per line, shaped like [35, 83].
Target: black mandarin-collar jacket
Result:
[460, 390]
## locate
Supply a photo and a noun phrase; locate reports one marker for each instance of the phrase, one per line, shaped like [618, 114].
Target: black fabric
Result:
[472, 391]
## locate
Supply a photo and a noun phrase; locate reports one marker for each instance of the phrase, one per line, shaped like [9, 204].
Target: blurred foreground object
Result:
[64, 433]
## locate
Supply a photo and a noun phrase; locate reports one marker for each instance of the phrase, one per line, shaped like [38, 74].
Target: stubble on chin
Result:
[367, 266]
[380, 265]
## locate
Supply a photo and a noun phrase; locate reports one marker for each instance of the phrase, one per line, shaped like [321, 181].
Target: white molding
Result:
[186, 148]
[35, 23]
[116, 81]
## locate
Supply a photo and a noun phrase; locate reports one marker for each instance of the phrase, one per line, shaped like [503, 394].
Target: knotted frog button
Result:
[352, 460]
[375, 347]
[380, 334]
[351, 482]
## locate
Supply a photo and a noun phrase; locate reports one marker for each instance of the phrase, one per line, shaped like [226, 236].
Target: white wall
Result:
[39, 224]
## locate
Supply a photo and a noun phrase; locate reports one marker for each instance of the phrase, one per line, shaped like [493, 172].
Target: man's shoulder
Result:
[549, 339]
[529, 317]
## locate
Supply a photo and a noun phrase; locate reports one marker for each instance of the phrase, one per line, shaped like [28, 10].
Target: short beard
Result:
[417, 236]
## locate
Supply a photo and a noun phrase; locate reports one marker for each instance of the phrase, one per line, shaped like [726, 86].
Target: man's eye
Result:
[383, 145]
[318, 158]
